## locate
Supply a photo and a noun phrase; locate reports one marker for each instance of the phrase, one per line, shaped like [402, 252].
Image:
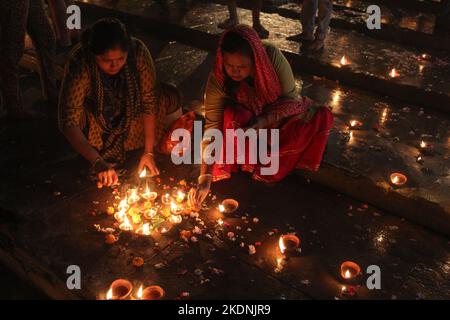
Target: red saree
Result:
[301, 143]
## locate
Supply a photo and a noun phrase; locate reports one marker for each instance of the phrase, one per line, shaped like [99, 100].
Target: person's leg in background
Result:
[58, 13]
[13, 20]
[233, 19]
[308, 21]
[323, 23]
[256, 13]
[41, 33]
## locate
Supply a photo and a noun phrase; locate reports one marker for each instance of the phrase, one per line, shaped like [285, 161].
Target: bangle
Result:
[149, 153]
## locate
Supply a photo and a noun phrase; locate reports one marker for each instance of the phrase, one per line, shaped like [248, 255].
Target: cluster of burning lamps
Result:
[344, 62]
[121, 289]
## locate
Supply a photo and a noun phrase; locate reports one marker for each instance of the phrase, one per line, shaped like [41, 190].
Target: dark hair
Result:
[234, 43]
[107, 34]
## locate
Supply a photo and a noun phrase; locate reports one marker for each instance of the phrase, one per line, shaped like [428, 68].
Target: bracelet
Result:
[149, 153]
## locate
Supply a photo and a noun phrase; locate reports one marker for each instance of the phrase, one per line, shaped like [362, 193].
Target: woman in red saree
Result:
[252, 86]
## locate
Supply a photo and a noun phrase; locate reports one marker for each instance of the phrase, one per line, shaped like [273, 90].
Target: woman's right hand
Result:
[198, 194]
[106, 174]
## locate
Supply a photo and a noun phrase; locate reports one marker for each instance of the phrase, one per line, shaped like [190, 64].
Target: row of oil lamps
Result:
[398, 179]
[393, 73]
[121, 289]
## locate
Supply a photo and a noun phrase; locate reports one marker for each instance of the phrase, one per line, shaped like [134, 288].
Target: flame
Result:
[139, 294]
[423, 144]
[343, 289]
[421, 67]
[123, 205]
[120, 215]
[133, 197]
[394, 73]
[221, 208]
[220, 222]
[163, 230]
[143, 173]
[384, 116]
[126, 224]
[180, 196]
[146, 229]
[109, 295]
[343, 61]
[395, 180]
[351, 135]
[347, 274]
[336, 97]
[281, 245]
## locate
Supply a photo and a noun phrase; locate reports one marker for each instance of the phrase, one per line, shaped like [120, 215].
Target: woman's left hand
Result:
[147, 161]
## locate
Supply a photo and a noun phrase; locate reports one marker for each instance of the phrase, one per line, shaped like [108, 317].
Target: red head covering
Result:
[267, 85]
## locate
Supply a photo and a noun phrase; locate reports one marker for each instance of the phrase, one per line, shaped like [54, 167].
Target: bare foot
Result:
[229, 23]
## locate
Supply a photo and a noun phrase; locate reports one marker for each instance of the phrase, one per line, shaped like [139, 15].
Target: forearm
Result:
[149, 132]
[79, 142]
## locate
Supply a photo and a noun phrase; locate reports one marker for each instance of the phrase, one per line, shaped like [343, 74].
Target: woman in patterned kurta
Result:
[109, 93]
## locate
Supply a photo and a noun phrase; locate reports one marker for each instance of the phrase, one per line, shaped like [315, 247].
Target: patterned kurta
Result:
[79, 97]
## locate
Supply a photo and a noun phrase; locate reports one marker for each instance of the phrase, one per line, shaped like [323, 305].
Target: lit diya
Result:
[355, 124]
[180, 196]
[228, 206]
[425, 148]
[175, 209]
[288, 243]
[126, 225]
[344, 61]
[149, 195]
[394, 73]
[150, 213]
[350, 270]
[398, 179]
[419, 159]
[166, 199]
[120, 290]
[144, 230]
[175, 219]
[153, 293]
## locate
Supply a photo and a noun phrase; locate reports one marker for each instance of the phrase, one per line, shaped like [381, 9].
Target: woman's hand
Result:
[147, 161]
[198, 194]
[106, 174]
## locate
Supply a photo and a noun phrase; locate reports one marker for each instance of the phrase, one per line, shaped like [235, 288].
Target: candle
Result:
[394, 73]
[229, 206]
[120, 290]
[350, 269]
[221, 208]
[288, 243]
[398, 179]
[153, 293]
